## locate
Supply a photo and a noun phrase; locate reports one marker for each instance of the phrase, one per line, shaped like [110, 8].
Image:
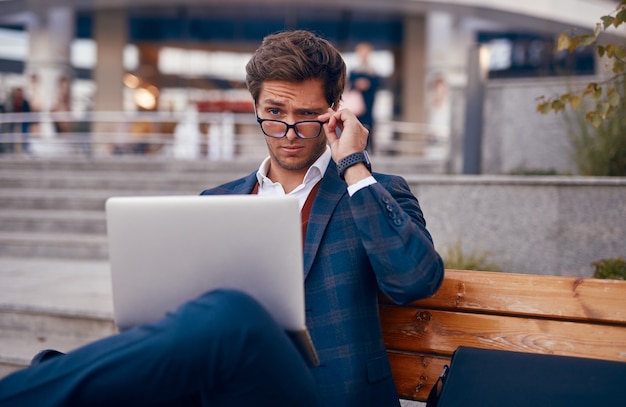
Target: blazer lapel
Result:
[330, 192]
[242, 186]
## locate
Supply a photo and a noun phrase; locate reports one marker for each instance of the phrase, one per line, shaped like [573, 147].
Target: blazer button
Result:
[397, 222]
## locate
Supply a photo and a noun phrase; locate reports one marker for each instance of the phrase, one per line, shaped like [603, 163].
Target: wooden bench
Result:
[582, 317]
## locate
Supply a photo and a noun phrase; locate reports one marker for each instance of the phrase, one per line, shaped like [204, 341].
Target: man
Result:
[365, 80]
[363, 233]
[19, 104]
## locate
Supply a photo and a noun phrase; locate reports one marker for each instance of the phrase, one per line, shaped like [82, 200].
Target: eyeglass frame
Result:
[290, 126]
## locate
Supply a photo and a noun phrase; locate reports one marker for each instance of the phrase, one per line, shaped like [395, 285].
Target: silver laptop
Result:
[167, 250]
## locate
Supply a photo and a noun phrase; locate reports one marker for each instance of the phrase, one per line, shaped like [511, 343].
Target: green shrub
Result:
[612, 269]
[599, 151]
[455, 258]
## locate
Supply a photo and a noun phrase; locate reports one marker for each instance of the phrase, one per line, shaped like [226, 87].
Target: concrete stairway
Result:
[24, 332]
[56, 208]
[53, 249]
[53, 231]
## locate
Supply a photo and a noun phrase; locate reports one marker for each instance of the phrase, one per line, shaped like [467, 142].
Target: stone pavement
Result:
[51, 304]
[77, 287]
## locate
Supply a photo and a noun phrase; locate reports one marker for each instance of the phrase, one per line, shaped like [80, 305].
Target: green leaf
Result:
[620, 52]
[603, 108]
[587, 40]
[557, 105]
[563, 42]
[620, 17]
[597, 30]
[597, 93]
[607, 21]
[544, 108]
[610, 50]
[601, 50]
[609, 112]
[575, 101]
[613, 97]
[594, 118]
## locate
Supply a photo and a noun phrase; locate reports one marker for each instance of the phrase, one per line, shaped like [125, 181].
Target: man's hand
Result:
[346, 135]
[344, 132]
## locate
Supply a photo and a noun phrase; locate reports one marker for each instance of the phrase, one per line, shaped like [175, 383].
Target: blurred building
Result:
[123, 55]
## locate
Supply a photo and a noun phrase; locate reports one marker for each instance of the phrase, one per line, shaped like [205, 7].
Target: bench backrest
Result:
[569, 316]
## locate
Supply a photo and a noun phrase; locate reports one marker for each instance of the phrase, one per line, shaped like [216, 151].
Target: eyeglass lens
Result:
[303, 129]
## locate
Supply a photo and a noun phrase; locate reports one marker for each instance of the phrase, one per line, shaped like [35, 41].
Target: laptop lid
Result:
[165, 251]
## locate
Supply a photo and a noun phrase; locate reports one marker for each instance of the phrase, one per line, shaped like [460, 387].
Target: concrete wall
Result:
[536, 225]
[515, 135]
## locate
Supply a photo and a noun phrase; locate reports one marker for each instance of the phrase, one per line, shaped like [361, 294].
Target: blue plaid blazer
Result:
[355, 246]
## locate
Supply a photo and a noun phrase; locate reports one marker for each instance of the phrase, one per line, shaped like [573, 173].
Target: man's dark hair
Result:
[297, 56]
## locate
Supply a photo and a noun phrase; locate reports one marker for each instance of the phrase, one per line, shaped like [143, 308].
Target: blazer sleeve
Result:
[393, 232]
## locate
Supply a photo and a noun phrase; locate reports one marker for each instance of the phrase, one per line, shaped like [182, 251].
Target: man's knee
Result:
[224, 312]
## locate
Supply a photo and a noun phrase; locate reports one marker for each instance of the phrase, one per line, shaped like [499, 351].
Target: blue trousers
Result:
[222, 349]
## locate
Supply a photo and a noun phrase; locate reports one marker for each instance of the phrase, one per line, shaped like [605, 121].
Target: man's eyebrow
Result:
[272, 102]
[310, 109]
[301, 110]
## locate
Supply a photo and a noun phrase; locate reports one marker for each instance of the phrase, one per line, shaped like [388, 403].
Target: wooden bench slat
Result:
[568, 316]
[571, 298]
[441, 332]
[415, 375]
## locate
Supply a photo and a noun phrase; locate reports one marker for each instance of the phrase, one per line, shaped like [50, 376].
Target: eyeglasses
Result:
[278, 129]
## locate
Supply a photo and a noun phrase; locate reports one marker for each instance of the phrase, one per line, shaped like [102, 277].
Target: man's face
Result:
[292, 102]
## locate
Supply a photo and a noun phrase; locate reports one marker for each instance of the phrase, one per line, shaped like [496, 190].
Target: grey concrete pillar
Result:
[48, 66]
[414, 68]
[441, 49]
[478, 61]
[111, 36]
[413, 80]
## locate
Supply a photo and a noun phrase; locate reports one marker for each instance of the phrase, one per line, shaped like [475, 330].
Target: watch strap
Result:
[351, 160]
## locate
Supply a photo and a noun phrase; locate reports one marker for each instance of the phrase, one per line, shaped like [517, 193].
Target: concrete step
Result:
[401, 165]
[127, 164]
[181, 182]
[55, 207]
[51, 304]
[54, 199]
[23, 333]
[63, 199]
[53, 221]
[56, 245]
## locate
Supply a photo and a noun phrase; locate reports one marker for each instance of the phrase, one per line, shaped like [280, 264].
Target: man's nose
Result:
[291, 134]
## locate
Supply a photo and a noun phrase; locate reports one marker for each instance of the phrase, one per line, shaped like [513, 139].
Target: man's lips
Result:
[292, 149]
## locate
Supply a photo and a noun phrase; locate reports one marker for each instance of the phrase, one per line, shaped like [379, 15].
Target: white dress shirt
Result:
[311, 178]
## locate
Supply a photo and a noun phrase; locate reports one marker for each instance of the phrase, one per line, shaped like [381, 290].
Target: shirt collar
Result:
[314, 173]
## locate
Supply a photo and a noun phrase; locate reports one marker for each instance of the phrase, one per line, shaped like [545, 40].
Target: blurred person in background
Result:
[19, 140]
[364, 79]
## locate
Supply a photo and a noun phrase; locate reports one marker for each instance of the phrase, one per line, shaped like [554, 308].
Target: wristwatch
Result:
[353, 159]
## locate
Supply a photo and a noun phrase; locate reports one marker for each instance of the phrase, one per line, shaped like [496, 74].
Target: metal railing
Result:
[180, 135]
